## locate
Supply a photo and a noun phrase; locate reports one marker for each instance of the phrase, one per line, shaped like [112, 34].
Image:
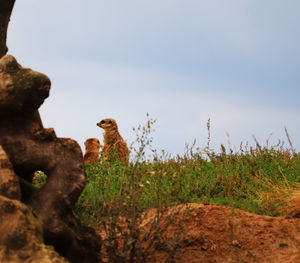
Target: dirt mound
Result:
[212, 233]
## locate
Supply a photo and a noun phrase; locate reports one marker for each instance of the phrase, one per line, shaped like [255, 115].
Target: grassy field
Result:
[258, 180]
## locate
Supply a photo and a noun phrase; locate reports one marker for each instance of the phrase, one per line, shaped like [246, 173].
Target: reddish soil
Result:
[213, 233]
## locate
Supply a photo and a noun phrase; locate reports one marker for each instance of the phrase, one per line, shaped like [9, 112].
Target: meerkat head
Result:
[108, 124]
[92, 144]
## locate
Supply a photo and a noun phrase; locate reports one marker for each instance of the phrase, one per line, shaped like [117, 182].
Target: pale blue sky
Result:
[182, 61]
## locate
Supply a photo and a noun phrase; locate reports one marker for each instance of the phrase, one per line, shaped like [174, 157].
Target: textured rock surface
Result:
[9, 182]
[5, 11]
[21, 238]
[27, 147]
[30, 147]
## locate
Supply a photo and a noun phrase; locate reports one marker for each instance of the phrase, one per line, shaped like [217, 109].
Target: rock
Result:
[21, 239]
[30, 147]
[9, 183]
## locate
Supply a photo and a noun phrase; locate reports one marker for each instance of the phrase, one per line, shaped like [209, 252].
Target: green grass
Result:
[258, 181]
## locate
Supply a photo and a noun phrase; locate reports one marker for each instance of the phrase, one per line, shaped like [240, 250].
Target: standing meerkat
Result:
[91, 155]
[113, 141]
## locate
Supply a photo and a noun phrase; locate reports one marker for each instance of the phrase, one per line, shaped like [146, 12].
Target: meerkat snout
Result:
[108, 124]
[100, 123]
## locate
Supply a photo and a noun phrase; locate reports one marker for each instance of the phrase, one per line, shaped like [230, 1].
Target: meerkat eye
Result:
[102, 122]
[109, 122]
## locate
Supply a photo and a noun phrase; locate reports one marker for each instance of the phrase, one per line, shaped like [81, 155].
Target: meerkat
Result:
[91, 155]
[112, 141]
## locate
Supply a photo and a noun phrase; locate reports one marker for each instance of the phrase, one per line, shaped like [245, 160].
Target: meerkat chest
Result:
[111, 139]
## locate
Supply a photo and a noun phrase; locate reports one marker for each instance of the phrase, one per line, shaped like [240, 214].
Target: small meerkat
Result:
[91, 155]
[112, 141]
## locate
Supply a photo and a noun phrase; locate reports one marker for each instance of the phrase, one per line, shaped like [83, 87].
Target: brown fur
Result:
[112, 140]
[91, 155]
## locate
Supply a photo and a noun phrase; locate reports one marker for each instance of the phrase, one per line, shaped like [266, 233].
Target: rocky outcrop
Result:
[9, 182]
[5, 12]
[26, 147]
[31, 147]
[21, 239]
